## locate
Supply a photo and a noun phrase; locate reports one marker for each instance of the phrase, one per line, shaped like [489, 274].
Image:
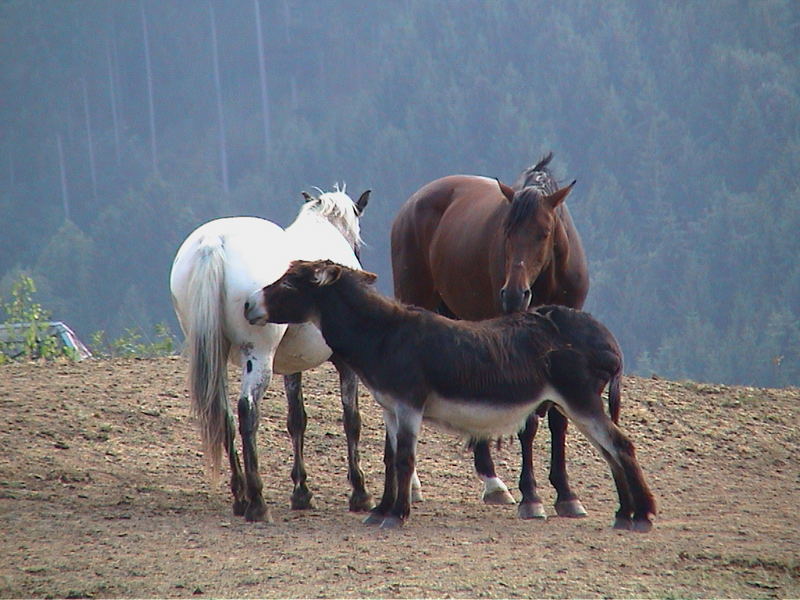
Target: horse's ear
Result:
[308, 197]
[507, 191]
[557, 197]
[367, 277]
[327, 274]
[361, 204]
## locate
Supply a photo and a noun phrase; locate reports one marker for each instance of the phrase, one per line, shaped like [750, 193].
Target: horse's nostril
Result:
[503, 293]
[526, 293]
[246, 306]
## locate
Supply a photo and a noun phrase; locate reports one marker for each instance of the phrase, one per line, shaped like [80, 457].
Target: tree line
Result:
[127, 124]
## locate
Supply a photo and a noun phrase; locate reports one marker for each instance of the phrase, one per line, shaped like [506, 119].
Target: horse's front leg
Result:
[296, 424]
[567, 502]
[494, 490]
[360, 499]
[255, 379]
[530, 507]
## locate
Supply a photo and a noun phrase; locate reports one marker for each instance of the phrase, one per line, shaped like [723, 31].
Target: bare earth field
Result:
[103, 494]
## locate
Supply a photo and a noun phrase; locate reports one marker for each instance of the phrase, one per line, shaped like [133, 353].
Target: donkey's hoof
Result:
[239, 507]
[391, 522]
[257, 512]
[570, 508]
[531, 510]
[374, 518]
[361, 502]
[416, 495]
[302, 501]
[498, 496]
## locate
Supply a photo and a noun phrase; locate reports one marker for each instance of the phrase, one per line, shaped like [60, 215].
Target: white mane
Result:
[337, 208]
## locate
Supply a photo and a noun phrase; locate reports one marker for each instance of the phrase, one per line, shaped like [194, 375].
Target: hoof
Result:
[498, 496]
[570, 508]
[416, 495]
[623, 523]
[302, 501]
[641, 525]
[374, 518]
[391, 522]
[362, 502]
[531, 510]
[257, 512]
[239, 507]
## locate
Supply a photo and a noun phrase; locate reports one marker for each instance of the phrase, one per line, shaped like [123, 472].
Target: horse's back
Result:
[254, 253]
[419, 223]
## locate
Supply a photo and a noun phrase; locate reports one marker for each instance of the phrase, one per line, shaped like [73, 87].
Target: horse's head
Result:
[344, 214]
[531, 229]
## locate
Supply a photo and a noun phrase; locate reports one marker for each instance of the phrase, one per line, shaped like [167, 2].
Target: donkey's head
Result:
[294, 298]
[530, 231]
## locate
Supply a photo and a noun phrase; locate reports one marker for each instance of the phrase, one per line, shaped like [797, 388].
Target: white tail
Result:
[208, 350]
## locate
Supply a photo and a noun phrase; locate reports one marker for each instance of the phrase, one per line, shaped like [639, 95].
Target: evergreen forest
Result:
[127, 124]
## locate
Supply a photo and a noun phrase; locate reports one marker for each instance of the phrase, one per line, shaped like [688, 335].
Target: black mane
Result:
[537, 176]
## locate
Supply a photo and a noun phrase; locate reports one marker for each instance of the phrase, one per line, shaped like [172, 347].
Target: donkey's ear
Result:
[308, 197]
[362, 202]
[557, 197]
[367, 277]
[507, 191]
[327, 274]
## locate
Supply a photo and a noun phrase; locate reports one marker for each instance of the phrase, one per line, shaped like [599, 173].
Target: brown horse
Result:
[474, 248]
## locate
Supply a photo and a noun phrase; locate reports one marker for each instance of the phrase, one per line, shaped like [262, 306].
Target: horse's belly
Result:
[301, 348]
[480, 419]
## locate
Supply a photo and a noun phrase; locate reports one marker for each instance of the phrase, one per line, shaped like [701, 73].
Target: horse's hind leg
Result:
[567, 502]
[360, 499]
[530, 507]
[237, 477]
[494, 490]
[255, 379]
[296, 424]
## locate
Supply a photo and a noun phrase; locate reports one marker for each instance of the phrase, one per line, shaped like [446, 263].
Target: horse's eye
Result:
[287, 285]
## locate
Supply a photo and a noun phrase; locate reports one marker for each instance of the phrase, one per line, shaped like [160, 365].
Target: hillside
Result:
[102, 493]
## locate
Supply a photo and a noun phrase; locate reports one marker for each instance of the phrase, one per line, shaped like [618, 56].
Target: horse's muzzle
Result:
[512, 301]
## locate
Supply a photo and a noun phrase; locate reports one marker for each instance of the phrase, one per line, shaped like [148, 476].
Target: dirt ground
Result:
[103, 494]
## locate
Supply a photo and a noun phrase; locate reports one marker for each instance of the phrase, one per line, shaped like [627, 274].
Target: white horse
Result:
[217, 267]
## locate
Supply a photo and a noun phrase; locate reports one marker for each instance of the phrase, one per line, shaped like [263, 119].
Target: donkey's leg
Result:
[360, 499]
[296, 420]
[636, 503]
[409, 421]
[567, 502]
[255, 379]
[378, 513]
[530, 507]
[237, 477]
[494, 490]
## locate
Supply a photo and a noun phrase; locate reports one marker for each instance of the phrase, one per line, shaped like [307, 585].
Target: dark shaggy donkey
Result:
[482, 379]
